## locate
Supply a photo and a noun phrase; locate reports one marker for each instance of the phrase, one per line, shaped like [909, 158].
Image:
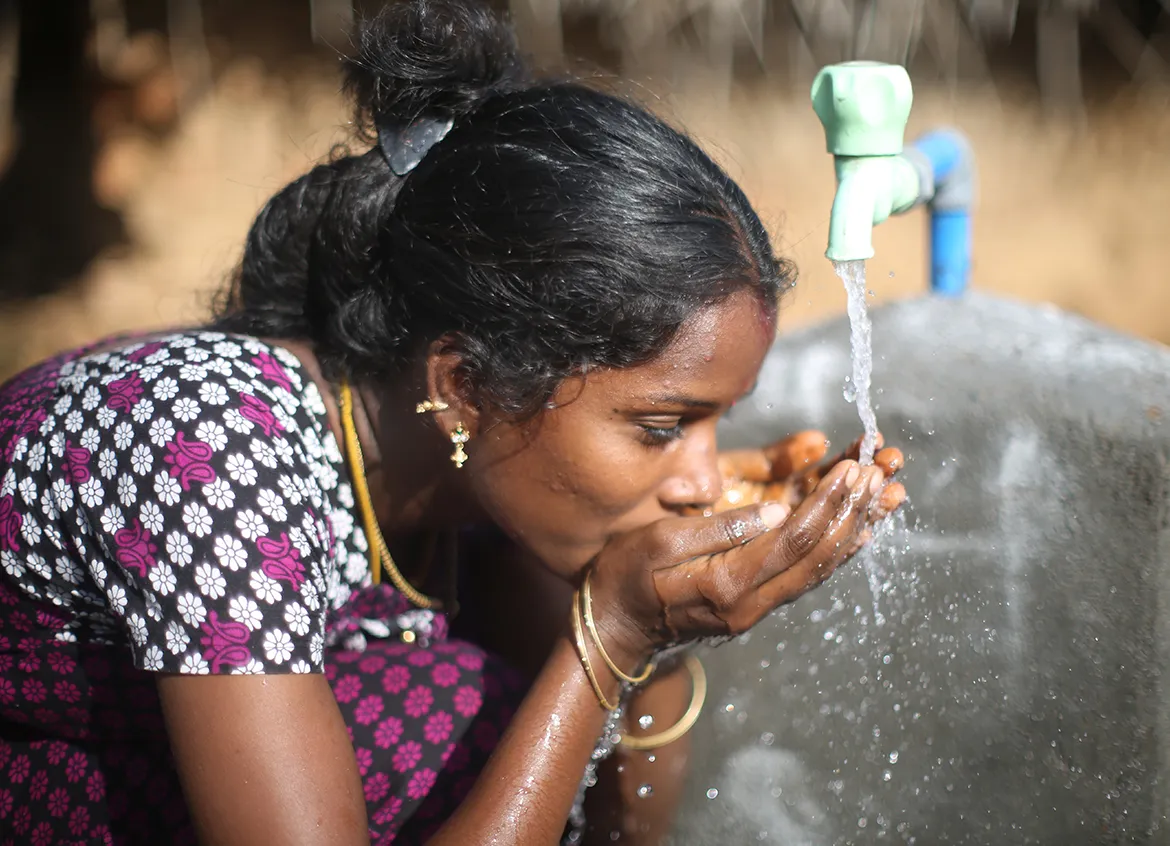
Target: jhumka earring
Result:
[459, 436]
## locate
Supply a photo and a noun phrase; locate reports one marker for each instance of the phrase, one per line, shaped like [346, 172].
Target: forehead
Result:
[715, 356]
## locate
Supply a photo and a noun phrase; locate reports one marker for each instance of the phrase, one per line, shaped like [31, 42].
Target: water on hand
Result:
[852, 273]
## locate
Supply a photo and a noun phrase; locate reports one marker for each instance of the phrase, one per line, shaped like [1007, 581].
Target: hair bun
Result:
[431, 57]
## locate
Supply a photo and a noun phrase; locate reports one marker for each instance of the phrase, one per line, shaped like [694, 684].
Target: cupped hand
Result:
[689, 577]
[789, 469]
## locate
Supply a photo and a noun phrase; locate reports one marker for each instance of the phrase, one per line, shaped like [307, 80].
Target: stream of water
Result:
[852, 273]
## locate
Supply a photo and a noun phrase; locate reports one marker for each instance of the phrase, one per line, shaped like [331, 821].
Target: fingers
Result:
[780, 492]
[853, 453]
[834, 546]
[737, 495]
[685, 538]
[890, 460]
[795, 453]
[750, 465]
[801, 533]
[888, 501]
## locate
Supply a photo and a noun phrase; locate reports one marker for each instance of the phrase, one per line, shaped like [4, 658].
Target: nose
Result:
[694, 481]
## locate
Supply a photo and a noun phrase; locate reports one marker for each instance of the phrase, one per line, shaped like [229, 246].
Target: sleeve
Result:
[205, 501]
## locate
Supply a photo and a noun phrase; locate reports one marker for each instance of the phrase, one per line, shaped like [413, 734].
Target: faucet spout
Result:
[864, 107]
[869, 190]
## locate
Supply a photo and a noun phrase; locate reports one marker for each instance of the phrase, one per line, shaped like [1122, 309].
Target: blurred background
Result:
[139, 137]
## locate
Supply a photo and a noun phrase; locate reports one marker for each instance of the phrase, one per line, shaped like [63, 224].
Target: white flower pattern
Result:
[173, 470]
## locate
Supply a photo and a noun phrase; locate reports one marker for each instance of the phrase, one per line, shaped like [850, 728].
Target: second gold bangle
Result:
[698, 697]
[583, 654]
[587, 603]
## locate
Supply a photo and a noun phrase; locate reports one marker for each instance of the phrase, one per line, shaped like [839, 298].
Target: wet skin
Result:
[600, 481]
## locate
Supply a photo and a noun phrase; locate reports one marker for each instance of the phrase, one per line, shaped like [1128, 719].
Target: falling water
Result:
[852, 273]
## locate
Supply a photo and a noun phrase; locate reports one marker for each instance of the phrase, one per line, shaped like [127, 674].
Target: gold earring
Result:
[429, 405]
[459, 436]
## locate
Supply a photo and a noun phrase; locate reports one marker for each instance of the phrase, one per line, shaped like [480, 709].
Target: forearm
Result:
[524, 794]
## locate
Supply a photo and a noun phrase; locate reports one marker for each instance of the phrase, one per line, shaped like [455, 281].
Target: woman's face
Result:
[621, 448]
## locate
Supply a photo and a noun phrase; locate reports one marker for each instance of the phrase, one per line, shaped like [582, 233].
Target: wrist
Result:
[626, 643]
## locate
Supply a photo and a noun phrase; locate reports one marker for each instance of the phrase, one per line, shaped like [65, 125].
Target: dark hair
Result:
[555, 228]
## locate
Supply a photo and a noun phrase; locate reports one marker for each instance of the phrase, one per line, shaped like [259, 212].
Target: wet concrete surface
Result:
[992, 672]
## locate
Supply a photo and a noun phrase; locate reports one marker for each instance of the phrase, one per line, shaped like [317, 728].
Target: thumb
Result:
[728, 529]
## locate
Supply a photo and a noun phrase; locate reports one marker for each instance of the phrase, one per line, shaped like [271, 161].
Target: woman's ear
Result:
[448, 387]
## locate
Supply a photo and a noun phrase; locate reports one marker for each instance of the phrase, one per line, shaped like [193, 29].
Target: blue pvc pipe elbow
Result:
[950, 252]
[953, 166]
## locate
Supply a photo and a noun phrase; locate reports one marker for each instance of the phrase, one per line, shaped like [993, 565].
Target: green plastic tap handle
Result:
[864, 107]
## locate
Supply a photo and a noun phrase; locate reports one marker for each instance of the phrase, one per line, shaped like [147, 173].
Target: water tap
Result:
[864, 107]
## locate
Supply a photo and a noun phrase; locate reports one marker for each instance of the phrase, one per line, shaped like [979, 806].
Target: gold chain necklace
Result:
[379, 554]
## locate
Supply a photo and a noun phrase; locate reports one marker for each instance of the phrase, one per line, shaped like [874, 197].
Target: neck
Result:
[412, 482]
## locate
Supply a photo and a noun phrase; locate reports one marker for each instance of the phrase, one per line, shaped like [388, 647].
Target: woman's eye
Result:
[660, 435]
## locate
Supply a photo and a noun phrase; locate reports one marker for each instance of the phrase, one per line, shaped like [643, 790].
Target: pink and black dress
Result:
[181, 506]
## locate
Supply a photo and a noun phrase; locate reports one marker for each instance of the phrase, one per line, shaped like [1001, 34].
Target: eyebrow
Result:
[686, 402]
[692, 402]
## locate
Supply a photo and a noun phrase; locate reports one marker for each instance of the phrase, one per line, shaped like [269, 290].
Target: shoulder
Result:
[201, 365]
[202, 469]
[207, 383]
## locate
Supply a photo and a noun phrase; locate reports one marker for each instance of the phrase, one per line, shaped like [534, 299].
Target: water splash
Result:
[852, 274]
[882, 560]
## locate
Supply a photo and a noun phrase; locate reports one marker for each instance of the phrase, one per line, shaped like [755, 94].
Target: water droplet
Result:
[712, 792]
[862, 822]
[767, 738]
[615, 835]
[729, 707]
[893, 757]
[830, 634]
[849, 392]
[651, 758]
[645, 791]
[645, 721]
[887, 775]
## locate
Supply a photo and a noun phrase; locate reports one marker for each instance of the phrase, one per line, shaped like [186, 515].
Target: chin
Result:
[568, 562]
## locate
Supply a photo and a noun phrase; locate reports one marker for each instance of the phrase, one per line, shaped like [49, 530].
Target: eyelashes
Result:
[659, 436]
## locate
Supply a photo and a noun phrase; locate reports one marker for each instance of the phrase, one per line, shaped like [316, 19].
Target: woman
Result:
[478, 366]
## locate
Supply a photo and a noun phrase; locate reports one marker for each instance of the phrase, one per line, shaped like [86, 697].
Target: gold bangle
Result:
[587, 604]
[698, 697]
[583, 654]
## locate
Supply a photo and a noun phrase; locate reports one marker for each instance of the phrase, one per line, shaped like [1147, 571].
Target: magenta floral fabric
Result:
[180, 505]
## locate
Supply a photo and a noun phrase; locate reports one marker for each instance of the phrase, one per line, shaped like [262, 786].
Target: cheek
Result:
[570, 478]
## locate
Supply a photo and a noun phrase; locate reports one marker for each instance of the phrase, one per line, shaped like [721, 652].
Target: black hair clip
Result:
[405, 144]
